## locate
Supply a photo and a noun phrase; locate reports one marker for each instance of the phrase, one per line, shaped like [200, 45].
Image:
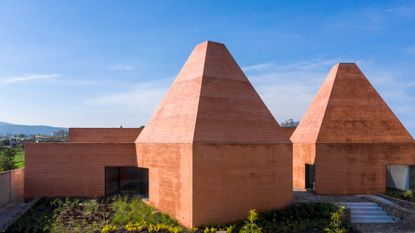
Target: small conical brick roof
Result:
[348, 109]
[212, 101]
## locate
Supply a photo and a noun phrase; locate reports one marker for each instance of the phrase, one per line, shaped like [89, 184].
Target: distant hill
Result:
[8, 128]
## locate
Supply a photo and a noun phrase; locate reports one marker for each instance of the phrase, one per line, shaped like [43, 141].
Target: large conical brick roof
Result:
[348, 109]
[212, 101]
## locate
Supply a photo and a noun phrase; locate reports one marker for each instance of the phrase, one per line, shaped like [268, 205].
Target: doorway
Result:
[310, 176]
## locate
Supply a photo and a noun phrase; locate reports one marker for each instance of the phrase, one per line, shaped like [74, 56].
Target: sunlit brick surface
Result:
[213, 148]
[351, 135]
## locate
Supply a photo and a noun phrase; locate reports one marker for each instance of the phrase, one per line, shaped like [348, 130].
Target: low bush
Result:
[134, 210]
[37, 219]
[336, 224]
[131, 214]
[250, 225]
[298, 217]
[408, 195]
[7, 159]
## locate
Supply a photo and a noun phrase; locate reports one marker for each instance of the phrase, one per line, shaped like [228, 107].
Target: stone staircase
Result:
[368, 212]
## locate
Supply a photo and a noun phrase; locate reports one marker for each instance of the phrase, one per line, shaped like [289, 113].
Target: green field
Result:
[19, 158]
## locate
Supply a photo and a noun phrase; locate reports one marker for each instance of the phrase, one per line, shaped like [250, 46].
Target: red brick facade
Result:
[213, 148]
[77, 168]
[73, 169]
[102, 135]
[214, 151]
[350, 135]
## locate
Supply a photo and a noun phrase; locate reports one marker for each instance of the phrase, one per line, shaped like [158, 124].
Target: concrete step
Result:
[360, 204]
[371, 208]
[368, 212]
[372, 219]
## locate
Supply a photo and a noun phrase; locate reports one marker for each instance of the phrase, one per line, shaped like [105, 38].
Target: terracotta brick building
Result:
[211, 137]
[348, 137]
[79, 167]
[213, 149]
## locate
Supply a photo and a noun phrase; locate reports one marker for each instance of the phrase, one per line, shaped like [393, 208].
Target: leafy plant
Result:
[135, 210]
[250, 225]
[132, 227]
[210, 229]
[91, 207]
[336, 222]
[409, 194]
[108, 228]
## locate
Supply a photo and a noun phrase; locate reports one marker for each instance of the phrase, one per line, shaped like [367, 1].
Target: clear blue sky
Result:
[109, 63]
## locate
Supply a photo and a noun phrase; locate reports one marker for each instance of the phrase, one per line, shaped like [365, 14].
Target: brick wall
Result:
[303, 154]
[170, 178]
[127, 135]
[72, 169]
[11, 186]
[206, 183]
[358, 168]
[231, 179]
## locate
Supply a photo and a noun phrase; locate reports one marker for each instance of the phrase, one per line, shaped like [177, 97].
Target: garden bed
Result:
[407, 195]
[131, 214]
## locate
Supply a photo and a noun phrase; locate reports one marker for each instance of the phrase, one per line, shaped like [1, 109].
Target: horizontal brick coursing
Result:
[72, 169]
[110, 135]
[303, 154]
[170, 178]
[358, 168]
[217, 183]
[11, 186]
[213, 148]
[231, 179]
[350, 168]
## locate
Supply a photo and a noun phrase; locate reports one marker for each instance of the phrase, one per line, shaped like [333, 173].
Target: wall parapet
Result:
[11, 186]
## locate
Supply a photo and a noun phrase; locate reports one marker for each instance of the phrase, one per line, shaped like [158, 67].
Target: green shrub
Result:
[7, 159]
[336, 221]
[135, 210]
[37, 219]
[409, 194]
[109, 228]
[91, 207]
[250, 225]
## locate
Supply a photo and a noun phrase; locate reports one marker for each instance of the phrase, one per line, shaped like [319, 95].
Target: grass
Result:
[19, 157]
[129, 210]
[131, 214]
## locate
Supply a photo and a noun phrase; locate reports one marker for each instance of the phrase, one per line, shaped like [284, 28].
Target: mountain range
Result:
[12, 129]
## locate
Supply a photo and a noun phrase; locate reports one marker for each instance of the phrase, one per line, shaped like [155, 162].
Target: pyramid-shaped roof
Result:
[211, 100]
[348, 109]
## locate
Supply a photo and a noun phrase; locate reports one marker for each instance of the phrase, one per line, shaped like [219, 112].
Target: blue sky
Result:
[109, 63]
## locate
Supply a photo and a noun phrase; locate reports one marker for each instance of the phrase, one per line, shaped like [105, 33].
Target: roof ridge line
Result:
[328, 101]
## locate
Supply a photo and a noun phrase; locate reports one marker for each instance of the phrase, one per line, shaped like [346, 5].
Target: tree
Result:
[290, 123]
[59, 136]
[5, 142]
[7, 159]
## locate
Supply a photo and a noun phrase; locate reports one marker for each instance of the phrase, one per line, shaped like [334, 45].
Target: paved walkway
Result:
[11, 212]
